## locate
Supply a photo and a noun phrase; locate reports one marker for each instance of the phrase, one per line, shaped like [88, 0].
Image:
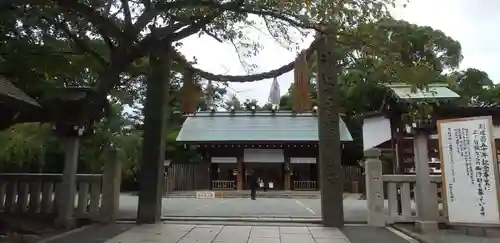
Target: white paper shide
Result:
[468, 167]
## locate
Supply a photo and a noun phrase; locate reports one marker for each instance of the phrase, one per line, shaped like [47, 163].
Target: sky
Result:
[473, 23]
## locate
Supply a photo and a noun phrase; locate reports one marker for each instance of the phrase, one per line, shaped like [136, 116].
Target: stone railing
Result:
[223, 185]
[38, 194]
[96, 197]
[304, 185]
[400, 197]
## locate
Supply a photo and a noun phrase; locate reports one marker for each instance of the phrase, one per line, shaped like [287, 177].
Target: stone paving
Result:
[174, 233]
[455, 235]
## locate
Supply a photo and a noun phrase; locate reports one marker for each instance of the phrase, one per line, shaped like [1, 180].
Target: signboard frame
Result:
[205, 195]
[444, 193]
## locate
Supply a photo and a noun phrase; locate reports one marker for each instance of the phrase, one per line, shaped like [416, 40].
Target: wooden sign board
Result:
[469, 170]
[205, 195]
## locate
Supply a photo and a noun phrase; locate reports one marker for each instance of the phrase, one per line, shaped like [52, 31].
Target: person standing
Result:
[253, 185]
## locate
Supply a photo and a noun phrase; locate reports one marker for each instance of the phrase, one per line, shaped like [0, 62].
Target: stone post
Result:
[111, 187]
[66, 195]
[374, 188]
[426, 207]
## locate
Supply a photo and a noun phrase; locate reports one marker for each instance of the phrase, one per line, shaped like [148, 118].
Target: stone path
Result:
[224, 232]
[171, 233]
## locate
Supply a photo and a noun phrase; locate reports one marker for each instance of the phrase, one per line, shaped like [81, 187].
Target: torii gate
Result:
[151, 180]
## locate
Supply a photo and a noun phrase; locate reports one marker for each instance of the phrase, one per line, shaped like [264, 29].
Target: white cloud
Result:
[472, 23]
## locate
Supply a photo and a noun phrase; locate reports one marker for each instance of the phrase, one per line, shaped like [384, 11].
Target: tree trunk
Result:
[330, 161]
[153, 147]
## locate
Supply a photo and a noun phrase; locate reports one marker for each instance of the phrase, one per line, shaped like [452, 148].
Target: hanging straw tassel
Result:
[295, 88]
[300, 91]
[304, 84]
[190, 94]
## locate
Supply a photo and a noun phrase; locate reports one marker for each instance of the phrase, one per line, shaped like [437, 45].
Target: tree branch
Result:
[243, 64]
[107, 10]
[151, 12]
[80, 43]
[126, 13]
[268, 27]
[105, 26]
[215, 37]
[192, 29]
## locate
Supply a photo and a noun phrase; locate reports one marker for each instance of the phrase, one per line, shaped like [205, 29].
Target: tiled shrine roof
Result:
[432, 91]
[258, 126]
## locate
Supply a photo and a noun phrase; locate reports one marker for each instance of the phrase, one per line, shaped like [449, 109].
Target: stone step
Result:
[243, 219]
[246, 194]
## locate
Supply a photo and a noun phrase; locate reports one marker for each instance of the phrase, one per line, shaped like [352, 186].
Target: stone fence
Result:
[96, 198]
[401, 200]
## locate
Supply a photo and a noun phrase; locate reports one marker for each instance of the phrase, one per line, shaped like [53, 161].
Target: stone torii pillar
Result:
[330, 161]
[153, 146]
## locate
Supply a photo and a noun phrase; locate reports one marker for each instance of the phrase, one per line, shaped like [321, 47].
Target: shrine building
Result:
[389, 129]
[280, 147]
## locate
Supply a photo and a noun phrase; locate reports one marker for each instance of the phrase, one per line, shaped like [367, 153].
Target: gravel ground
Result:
[354, 210]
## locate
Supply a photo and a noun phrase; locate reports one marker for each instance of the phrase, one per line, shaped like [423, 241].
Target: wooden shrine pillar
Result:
[287, 173]
[399, 152]
[240, 173]
[318, 175]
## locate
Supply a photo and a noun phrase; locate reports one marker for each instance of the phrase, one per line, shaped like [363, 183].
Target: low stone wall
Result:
[96, 197]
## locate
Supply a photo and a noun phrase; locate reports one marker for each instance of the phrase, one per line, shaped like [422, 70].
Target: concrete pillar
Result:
[426, 206]
[112, 176]
[153, 146]
[374, 188]
[67, 193]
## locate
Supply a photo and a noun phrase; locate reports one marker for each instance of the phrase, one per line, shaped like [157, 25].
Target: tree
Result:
[251, 104]
[475, 87]
[233, 103]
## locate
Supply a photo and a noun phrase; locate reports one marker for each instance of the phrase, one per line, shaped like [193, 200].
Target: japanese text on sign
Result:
[469, 173]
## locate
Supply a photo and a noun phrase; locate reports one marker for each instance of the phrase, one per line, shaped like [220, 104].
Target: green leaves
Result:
[475, 88]
[22, 145]
[389, 50]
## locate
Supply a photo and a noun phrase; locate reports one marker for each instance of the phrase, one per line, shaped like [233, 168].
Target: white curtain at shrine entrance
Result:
[263, 156]
[303, 160]
[224, 160]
